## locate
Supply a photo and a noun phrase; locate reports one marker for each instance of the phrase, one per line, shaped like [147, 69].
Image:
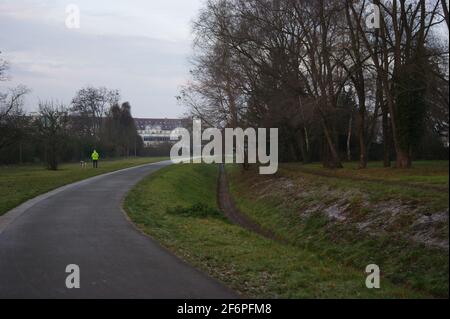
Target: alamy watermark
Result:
[72, 16]
[73, 279]
[373, 279]
[72, 20]
[373, 17]
[238, 146]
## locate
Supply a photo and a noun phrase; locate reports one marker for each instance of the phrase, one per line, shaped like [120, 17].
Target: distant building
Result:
[157, 131]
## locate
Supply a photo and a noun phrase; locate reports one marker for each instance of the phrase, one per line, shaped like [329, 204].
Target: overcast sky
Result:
[140, 47]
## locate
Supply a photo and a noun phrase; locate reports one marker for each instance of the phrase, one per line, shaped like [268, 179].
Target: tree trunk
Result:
[304, 146]
[360, 87]
[402, 156]
[349, 138]
[445, 11]
[403, 159]
[386, 140]
[362, 149]
[334, 161]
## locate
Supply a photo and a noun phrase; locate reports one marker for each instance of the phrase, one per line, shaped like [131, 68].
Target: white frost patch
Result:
[337, 211]
[415, 222]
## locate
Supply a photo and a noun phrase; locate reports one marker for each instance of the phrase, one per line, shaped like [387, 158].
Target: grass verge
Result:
[403, 262]
[177, 206]
[21, 183]
[429, 174]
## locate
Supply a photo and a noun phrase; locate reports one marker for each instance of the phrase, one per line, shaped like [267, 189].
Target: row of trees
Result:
[68, 134]
[99, 120]
[334, 76]
[94, 120]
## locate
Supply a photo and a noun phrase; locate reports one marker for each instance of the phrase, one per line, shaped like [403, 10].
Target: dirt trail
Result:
[226, 204]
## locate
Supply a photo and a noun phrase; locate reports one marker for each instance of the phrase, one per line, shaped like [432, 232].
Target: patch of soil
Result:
[227, 205]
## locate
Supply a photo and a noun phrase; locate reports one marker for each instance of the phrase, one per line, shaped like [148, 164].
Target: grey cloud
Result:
[146, 70]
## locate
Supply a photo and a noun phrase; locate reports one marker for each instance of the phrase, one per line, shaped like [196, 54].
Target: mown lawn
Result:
[423, 173]
[20, 183]
[178, 207]
[403, 262]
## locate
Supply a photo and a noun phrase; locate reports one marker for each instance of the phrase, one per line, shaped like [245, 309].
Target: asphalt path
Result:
[83, 224]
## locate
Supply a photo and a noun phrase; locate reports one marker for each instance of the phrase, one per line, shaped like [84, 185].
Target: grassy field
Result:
[20, 183]
[178, 207]
[423, 173]
[389, 202]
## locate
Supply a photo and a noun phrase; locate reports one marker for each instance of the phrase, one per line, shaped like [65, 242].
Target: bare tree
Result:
[445, 11]
[3, 68]
[90, 106]
[52, 125]
[405, 27]
[12, 117]
[286, 64]
[12, 101]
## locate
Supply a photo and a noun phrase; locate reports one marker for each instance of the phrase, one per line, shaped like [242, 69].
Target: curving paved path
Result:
[83, 224]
